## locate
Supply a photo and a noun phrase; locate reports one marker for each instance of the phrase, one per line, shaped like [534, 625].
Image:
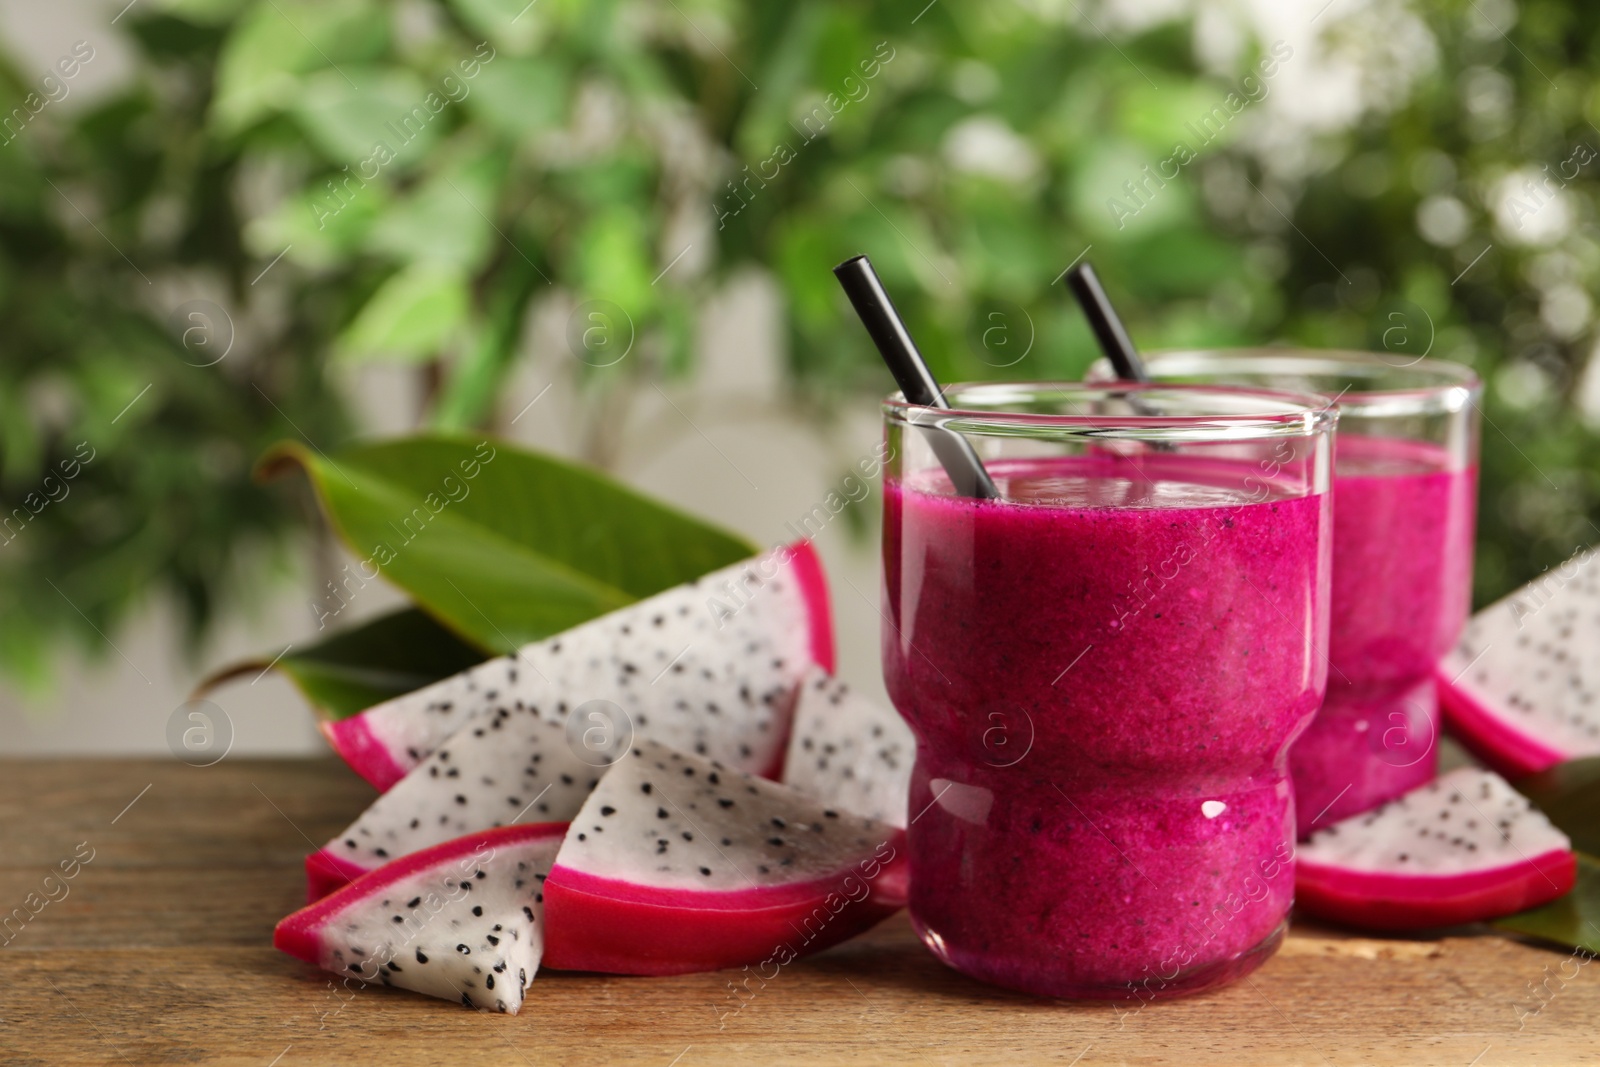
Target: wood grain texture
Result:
[159, 953]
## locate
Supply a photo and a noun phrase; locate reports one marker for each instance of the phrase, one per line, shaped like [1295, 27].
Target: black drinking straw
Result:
[1108, 328]
[888, 332]
[1112, 335]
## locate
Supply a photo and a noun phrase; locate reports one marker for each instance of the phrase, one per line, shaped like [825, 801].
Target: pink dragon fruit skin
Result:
[677, 864]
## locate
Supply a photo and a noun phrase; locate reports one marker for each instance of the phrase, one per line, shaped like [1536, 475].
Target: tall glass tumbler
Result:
[1104, 669]
[1404, 511]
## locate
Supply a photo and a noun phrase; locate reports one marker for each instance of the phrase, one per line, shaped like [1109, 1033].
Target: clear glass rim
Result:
[1425, 386]
[1242, 413]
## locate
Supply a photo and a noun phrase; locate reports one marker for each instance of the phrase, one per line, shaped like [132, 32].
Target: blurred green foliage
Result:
[428, 170]
[124, 462]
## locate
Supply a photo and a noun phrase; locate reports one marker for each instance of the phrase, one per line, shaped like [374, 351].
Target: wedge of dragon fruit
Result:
[1463, 848]
[510, 766]
[852, 752]
[679, 864]
[1522, 687]
[462, 920]
[709, 666]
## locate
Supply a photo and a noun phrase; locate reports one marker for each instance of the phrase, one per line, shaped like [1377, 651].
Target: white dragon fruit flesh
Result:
[510, 766]
[709, 666]
[853, 752]
[678, 864]
[1463, 848]
[462, 920]
[1522, 687]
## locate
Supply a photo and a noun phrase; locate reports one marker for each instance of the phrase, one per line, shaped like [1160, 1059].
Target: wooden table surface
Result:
[160, 952]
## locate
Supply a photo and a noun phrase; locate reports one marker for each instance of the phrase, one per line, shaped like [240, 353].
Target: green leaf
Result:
[473, 385]
[613, 260]
[412, 317]
[503, 546]
[515, 25]
[372, 117]
[1101, 203]
[256, 73]
[201, 12]
[1178, 261]
[356, 668]
[447, 220]
[1569, 796]
[1573, 920]
[520, 97]
[323, 227]
[806, 252]
[1176, 111]
[259, 70]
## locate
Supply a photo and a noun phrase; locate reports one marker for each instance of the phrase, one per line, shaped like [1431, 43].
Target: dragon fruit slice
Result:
[853, 752]
[1522, 687]
[1463, 848]
[679, 864]
[460, 921]
[508, 767]
[709, 666]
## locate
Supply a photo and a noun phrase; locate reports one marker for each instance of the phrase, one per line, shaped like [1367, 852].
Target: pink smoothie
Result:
[1402, 574]
[1104, 671]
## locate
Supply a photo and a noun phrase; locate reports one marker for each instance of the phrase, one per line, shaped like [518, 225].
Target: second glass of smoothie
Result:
[1404, 509]
[1104, 669]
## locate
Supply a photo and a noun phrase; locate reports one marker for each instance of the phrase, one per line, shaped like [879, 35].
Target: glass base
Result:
[1187, 982]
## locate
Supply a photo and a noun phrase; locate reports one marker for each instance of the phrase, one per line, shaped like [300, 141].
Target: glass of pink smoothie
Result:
[1405, 491]
[1104, 669]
